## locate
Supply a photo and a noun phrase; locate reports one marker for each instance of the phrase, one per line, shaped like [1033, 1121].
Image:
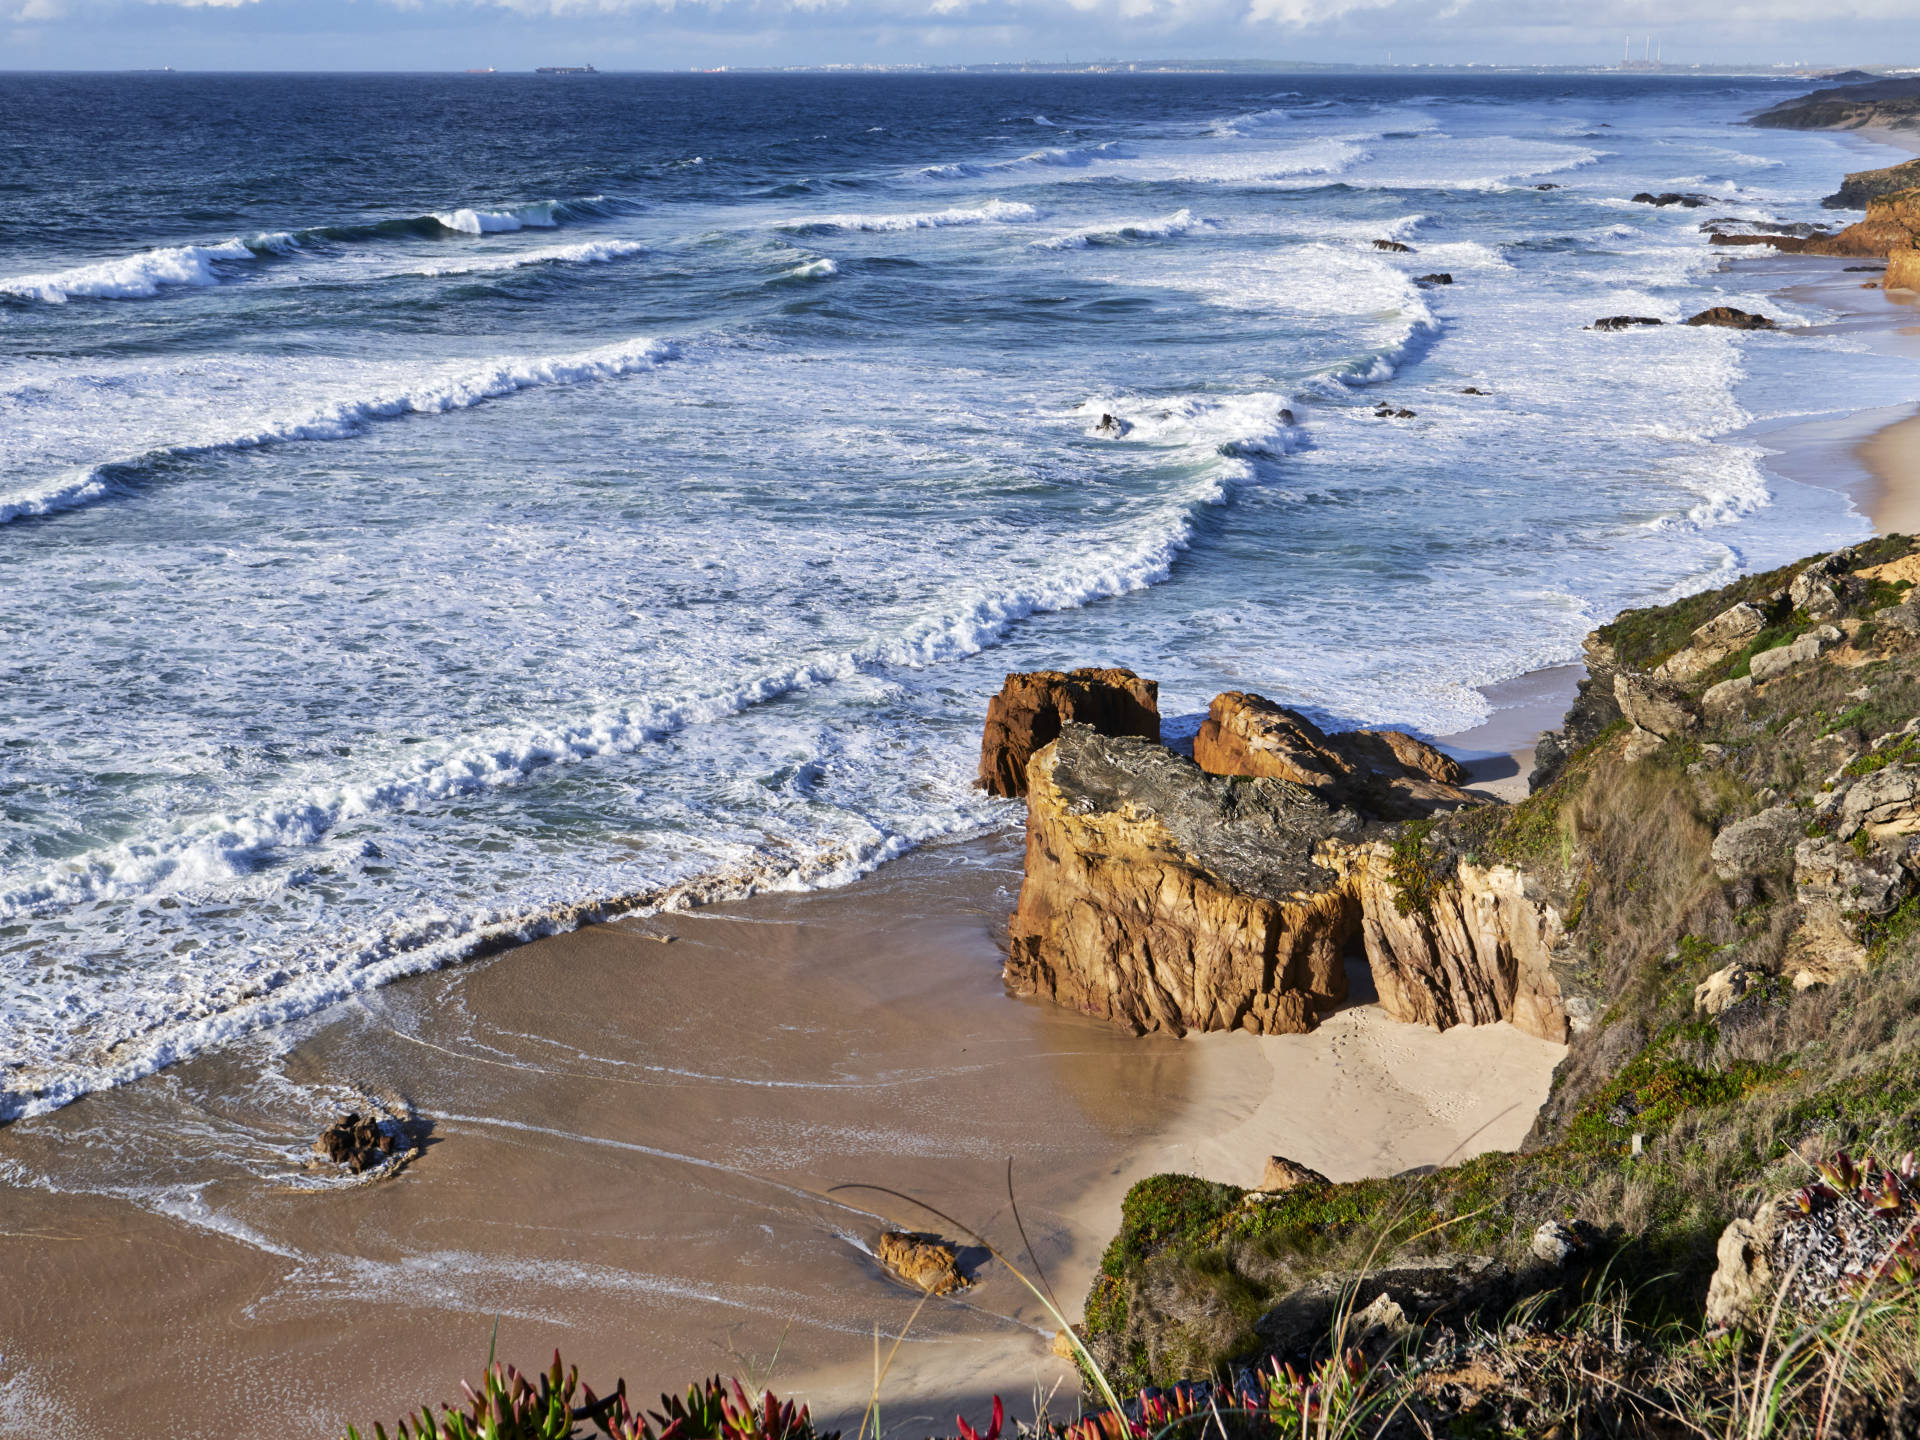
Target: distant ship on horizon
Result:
[565, 70]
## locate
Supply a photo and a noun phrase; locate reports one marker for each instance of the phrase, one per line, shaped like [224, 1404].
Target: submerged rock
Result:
[1671, 197]
[1031, 707]
[1393, 246]
[1625, 322]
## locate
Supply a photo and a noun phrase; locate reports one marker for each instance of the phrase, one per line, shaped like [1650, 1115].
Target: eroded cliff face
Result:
[1892, 224]
[1164, 898]
[1475, 948]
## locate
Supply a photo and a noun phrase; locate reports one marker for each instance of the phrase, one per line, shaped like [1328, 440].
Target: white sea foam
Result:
[145, 274]
[452, 389]
[1166, 227]
[587, 252]
[819, 269]
[992, 212]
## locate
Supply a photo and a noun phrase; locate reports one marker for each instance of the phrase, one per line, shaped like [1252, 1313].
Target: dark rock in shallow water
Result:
[1394, 246]
[1472, 390]
[1112, 426]
[1438, 278]
[356, 1141]
[1624, 322]
[1387, 412]
[1671, 197]
[1731, 319]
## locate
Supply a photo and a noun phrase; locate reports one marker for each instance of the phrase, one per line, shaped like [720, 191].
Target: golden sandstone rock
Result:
[1163, 898]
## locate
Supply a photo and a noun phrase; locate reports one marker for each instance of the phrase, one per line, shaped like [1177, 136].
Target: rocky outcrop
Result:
[1759, 845]
[1474, 949]
[1625, 322]
[924, 1261]
[1892, 224]
[1671, 197]
[1031, 707]
[1770, 664]
[1282, 1174]
[1862, 187]
[1656, 706]
[1885, 803]
[1732, 629]
[1729, 318]
[1163, 898]
[1384, 774]
[1393, 247]
[1903, 270]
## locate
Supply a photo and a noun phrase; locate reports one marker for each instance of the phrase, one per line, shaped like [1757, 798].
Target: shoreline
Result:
[635, 1129]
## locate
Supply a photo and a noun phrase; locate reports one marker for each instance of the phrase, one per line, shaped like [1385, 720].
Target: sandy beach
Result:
[632, 1148]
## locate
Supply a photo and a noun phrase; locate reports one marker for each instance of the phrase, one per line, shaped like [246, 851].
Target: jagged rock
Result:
[1726, 697]
[1112, 427]
[1671, 197]
[1625, 322]
[1283, 1174]
[1438, 278]
[1471, 390]
[1383, 773]
[1393, 247]
[1478, 952]
[1656, 706]
[1741, 1290]
[1816, 588]
[1771, 664]
[359, 1142]
[1724, 989]
[1163, 898]
[1885, 803]
[1757, 845]
[1556, 1243]
[1031, 707]
[1729, 318]
[1903, 270]
[1825, 869]
[1727, 632]
[925, 1261]
[1824, 948]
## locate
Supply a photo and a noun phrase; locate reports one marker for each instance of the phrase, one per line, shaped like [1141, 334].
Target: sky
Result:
[679, 34]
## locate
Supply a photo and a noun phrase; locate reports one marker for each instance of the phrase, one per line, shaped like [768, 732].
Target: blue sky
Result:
[674, 34]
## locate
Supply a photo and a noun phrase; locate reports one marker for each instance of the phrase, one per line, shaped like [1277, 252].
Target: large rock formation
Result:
[1030, 709]
[1892, 102]
[1163, 898]
[1382, 773]
[1473, 948]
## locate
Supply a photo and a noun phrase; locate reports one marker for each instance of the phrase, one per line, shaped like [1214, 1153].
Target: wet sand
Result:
[630, 1152]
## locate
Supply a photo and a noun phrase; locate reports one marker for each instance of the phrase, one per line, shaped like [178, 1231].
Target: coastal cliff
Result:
[1715, 890]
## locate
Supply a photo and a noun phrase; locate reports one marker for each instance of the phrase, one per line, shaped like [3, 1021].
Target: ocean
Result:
[436, 509]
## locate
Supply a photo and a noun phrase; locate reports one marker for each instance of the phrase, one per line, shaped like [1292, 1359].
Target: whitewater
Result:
[640, 505]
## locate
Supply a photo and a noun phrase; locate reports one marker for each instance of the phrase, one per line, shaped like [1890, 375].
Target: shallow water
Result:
[430, 504]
